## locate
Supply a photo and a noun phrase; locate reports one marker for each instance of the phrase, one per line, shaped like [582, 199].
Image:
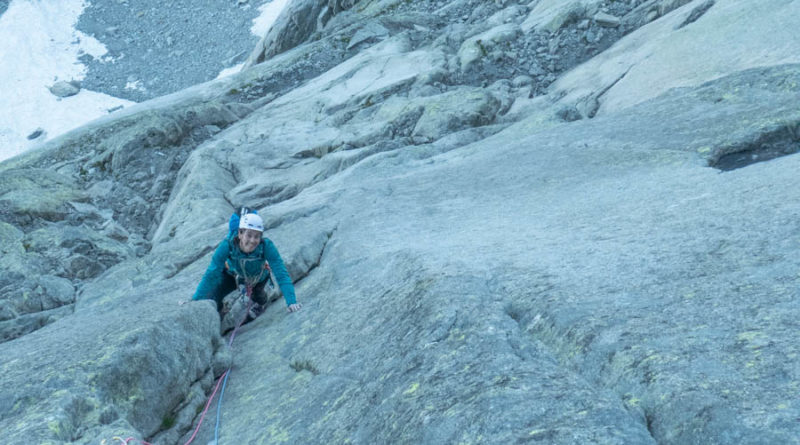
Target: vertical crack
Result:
[696, 13]
[306, 271]
[594, 102]
[563, 345]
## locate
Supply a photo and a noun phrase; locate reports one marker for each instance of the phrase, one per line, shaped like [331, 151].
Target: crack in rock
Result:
[779, 141]
[697, 13]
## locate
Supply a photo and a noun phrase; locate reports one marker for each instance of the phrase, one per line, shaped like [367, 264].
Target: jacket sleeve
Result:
[213, 276]
[281, 274]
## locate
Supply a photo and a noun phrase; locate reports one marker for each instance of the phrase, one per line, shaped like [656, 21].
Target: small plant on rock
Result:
[304, 365]
[167, 422]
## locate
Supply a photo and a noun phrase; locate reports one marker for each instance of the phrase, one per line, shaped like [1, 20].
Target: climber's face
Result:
[249, 239]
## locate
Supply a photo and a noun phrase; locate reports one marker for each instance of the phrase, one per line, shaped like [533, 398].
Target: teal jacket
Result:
[253, 266]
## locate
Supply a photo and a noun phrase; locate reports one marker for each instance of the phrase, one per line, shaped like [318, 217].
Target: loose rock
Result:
[64, 89]
[37, 133]
[606, 20]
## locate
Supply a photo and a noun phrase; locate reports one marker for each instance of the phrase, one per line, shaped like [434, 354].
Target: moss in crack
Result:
[484, 52]
[167, 422]
[304, 365]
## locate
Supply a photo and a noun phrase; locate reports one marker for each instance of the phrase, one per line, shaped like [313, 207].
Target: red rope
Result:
[216, 388]
[203, 416]
[219, 380]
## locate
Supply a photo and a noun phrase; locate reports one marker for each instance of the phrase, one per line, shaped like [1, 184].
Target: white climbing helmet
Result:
[252, 221]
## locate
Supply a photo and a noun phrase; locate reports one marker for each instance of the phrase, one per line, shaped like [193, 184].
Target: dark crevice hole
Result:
[770, 145]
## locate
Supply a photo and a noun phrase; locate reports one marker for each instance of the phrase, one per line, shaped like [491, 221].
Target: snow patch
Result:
[230, 71]
[261, 25]
[269, 13]
[39, 45]
[135, 85]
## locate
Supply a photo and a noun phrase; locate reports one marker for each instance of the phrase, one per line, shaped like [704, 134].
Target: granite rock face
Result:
[610, 258]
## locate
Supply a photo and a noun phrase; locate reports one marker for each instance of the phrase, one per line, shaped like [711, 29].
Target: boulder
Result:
[479, 47]
[509, 14]
[11, 240]
[371, 31]
[651, 10]
[607, 20]
[64, 89]
[37, 193]
[552, 15]
[455, 111]
[36, 134]
[112, 383]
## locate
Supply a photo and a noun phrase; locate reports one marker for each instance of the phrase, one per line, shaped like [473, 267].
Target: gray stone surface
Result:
[477, 264]
[667, 55]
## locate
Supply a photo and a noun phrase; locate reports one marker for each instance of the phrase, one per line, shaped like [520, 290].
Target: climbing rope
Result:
[206, 408]
[247, 292]
[224, 377]
[249, 295]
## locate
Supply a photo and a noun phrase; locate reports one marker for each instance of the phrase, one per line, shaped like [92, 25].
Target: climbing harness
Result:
[251, 277]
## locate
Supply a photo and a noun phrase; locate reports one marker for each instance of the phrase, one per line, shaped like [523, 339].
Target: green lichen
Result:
[278, 435]
[480, 46]
[411, 389]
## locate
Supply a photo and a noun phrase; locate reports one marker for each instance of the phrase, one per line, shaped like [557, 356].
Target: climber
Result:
[245, 258]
